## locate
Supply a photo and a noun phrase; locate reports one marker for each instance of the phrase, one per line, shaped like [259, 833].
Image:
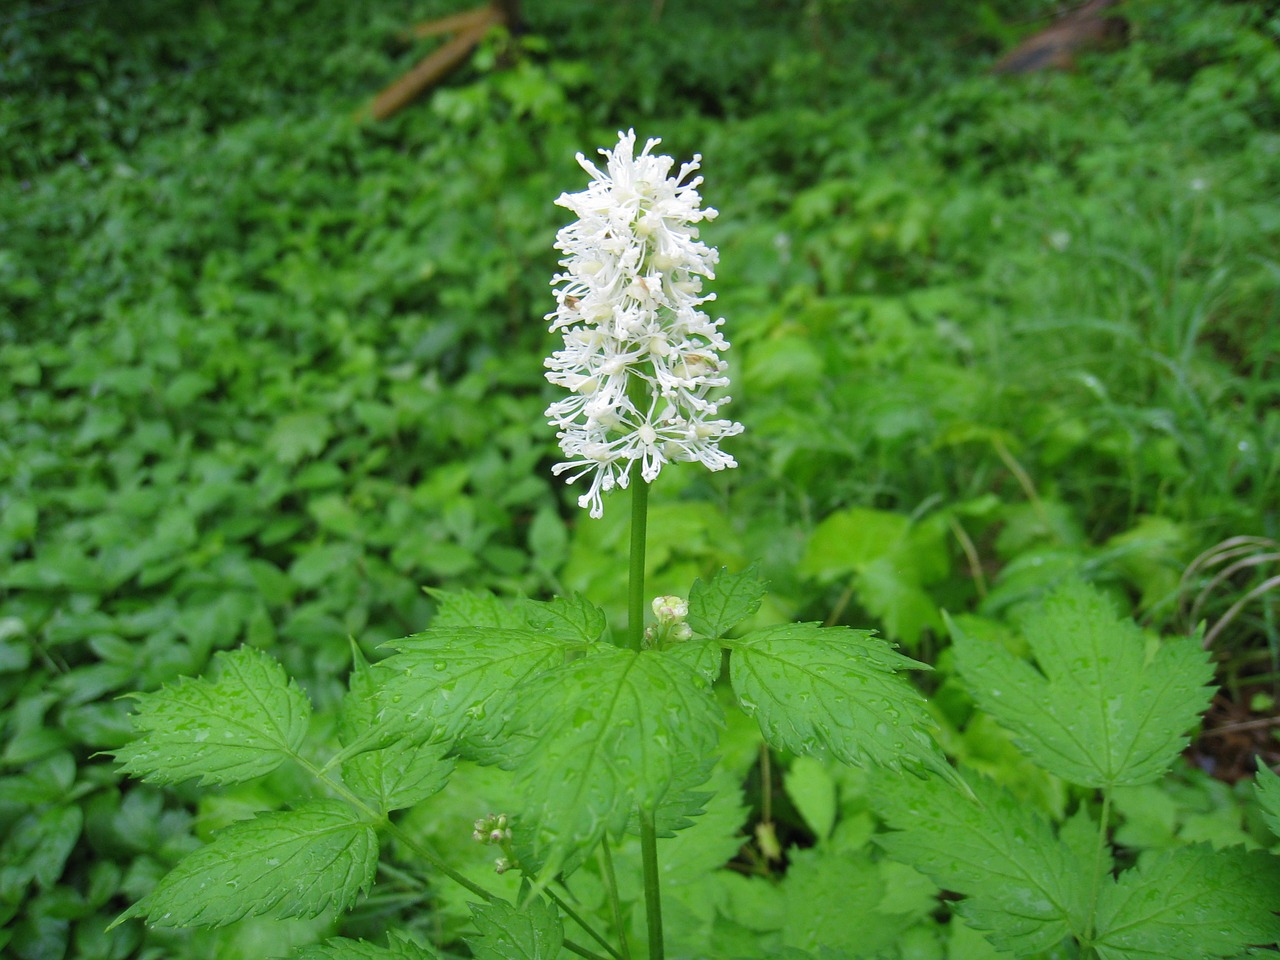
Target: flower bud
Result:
[670, 609]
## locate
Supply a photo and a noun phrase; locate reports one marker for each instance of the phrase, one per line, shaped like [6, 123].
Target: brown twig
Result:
[469, 28]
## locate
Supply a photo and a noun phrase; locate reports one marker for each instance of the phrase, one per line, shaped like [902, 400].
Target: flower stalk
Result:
[642, 364]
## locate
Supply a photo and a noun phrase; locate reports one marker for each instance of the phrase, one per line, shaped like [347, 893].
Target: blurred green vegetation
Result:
[266, 371]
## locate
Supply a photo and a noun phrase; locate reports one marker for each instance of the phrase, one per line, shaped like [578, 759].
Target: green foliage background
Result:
[266, 370]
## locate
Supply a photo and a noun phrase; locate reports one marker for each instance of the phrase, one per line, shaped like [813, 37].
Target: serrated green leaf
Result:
[465, 609]
[292, 863]
[400, 775]
[457, 679]
[710, 837]
[241, 725]
[342, 948]
[1025, 888]
[572, 619]
[392, 775]
[1190, 903]
[533, 932]
[818, 690]
[1267, 788]
[703, 656]
[601, 736]
[717, 607]
[682, 804]
[1103, 710]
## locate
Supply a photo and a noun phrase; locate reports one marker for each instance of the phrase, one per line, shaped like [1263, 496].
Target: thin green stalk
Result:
[582, 951]
[1095, 884]
[652, 892]
[635, 640]
[615, 903]
[635, 583]
[426, 853]
[587, 928]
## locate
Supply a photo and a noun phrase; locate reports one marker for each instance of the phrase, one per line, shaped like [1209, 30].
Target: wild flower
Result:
[640, 359]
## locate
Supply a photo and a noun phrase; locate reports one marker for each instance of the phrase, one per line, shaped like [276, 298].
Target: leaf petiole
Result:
[615, 904]
[573, 915]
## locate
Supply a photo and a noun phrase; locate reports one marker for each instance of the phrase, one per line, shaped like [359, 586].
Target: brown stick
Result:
[451, 24]
[438, 65]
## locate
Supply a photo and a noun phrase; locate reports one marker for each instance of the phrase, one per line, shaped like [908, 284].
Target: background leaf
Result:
[812, 789]
[1104, 708]
[1024, 887]
[292, 863]
[342, 948]
[836, 690]
[240, 725]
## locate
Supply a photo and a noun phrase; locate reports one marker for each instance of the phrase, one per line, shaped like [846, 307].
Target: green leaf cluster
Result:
[589, 733]
[1104, 706]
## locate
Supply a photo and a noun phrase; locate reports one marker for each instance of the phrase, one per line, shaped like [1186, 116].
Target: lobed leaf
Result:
[717, 607]
[533, 932]
[463, 608]
[683, 803]
[240, 725]
[572, 619]
[818, 690]
[456, 680]
[1190, 903]
[601, 736]
[1024, 886]
[291, 863]
[703, 656]
[389, 775]
[1103, 710]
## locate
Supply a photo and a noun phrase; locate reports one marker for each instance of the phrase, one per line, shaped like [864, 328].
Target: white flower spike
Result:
[639, 358]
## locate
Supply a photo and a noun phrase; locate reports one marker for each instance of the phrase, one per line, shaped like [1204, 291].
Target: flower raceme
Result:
[639, 356]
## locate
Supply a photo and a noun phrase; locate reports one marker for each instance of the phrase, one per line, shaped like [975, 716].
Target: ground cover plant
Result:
[268, 372]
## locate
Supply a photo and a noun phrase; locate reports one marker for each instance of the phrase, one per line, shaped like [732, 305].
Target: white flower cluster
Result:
[639, 357]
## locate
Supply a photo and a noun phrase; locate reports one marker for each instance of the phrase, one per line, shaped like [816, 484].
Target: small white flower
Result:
[639, 358]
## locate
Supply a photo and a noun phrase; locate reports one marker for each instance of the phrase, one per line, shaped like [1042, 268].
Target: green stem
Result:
[652, 892]
[1095, 884]
[635, 640]
[635, 583]
[573, 915]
